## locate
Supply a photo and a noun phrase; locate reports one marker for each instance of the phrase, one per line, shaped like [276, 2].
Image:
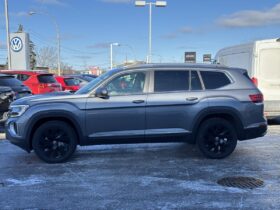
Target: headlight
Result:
[17, 110]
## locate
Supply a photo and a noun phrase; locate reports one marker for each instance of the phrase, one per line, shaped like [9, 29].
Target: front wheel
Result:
[54, 141]
[216, 138]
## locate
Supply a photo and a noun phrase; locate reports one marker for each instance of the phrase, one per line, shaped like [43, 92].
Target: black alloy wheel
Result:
[54, 141]
[216, 138]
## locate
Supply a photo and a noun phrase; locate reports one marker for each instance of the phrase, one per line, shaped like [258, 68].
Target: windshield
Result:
[94, 83]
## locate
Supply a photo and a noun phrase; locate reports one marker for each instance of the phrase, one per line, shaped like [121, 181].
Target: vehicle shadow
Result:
[138, 151]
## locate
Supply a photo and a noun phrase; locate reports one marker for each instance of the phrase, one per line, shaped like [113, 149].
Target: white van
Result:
[262, 60]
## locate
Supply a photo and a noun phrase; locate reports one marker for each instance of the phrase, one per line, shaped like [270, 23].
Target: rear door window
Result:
[165, 81]
[46, 78]
[214, 80]
[195, 81]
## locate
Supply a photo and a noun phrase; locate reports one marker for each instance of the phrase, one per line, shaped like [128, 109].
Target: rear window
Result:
[46, 78]
[171, 81]
[71, 82]
[214, 80]
[9, 81]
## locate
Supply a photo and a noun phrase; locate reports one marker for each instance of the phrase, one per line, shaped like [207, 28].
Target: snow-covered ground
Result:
[141, 176]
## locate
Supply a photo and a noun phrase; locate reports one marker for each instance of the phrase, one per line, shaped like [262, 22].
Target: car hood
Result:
[4, 89]
[49, 97]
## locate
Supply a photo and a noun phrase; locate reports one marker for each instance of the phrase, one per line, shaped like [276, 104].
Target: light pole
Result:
[150, 4]
[111, 53]
[57, 37]
[8, 34]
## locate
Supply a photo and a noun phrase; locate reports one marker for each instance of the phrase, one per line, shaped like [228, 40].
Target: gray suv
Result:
[210, 105]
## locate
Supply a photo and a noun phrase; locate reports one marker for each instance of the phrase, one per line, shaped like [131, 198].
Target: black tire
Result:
[54, 141]
[216, 138]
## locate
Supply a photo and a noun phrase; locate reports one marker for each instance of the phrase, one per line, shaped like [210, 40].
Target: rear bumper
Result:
[252, 132]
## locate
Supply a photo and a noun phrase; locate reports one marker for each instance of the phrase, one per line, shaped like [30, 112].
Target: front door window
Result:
[127, 84]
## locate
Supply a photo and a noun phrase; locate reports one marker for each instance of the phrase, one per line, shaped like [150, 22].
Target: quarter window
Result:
[214, 80]
[171, 81]
[132, 83]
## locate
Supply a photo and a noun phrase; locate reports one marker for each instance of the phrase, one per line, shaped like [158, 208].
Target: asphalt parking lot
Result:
[141, 176]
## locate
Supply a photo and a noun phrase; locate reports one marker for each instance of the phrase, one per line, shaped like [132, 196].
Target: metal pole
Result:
[58, 55]
[58, 43]
[8, 34]
[150, 33]
[111, 55]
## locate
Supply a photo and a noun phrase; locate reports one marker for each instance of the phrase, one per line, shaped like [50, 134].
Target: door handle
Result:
[138, 101]
[192, 99]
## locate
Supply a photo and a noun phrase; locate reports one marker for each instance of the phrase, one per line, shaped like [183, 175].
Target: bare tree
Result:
[47, 57]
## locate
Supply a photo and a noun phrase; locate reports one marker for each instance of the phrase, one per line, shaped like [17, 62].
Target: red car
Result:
[68, 83]
[39, 82]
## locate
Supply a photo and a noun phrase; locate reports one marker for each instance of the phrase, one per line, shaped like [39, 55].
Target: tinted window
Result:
[195, 81]
[171, 81]
[132, 83]
[214, 80]
[23, 77]
[71, 82]
[9, 81]
[46, 78]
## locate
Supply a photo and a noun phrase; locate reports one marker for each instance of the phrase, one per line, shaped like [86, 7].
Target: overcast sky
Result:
[88, 26]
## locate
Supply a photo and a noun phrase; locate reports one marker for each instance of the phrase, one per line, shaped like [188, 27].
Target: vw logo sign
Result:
[16, 44]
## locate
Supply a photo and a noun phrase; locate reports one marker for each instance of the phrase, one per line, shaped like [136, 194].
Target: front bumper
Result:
[14, 138]
[255, 131]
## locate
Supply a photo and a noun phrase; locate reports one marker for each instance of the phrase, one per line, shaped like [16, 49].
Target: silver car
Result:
[210, 105]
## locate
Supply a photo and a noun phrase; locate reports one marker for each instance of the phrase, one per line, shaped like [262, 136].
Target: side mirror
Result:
[102, 93]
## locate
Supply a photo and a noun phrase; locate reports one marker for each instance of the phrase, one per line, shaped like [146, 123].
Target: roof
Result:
[24, 72]
[177, 65]
[5, 75]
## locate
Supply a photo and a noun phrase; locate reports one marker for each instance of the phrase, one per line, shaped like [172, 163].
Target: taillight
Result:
[256, 98]
[42, 85]
[255, 81]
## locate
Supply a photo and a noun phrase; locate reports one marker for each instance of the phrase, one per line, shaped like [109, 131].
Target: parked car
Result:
[38, 81]
[86, 77]
[210, 105]
[262, 60]
[79, 80]
[68, 83]
[19, 89]
[6, 97]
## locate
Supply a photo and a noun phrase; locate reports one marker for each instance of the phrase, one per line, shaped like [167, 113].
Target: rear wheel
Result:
[216, 138]
[54, 141]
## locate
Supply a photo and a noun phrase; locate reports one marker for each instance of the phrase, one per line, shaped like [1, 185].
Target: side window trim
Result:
[201, 80]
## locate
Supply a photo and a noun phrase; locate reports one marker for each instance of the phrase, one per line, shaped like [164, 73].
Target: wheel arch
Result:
[228, 114]
[40, 119]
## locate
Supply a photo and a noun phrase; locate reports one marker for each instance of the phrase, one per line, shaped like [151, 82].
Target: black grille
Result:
[241, 182]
